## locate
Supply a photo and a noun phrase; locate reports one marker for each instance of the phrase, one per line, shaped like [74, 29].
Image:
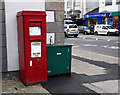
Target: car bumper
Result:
[115, 33]
[73, 33]
[87, 32]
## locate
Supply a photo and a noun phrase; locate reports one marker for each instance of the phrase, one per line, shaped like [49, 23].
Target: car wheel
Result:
[96, 33]
[66, 35]
[85, 33]
[108, 33]
[75, 35]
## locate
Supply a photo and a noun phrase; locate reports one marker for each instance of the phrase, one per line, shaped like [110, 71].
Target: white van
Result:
[71, 30]
[105, 29]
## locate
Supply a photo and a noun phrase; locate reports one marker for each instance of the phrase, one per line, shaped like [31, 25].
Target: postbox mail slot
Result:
[35, 30]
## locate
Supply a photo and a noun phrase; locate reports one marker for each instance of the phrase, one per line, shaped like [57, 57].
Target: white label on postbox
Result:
[34, 31]
[30, 63]
[36, 49]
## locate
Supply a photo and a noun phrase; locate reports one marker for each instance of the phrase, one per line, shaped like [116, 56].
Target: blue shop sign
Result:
[97, 15]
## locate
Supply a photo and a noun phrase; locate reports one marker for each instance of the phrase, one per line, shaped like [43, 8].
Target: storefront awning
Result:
[115, 14]
[102, 15]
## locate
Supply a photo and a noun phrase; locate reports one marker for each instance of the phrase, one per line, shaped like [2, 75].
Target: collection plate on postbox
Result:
[32, 46]
[35, 31]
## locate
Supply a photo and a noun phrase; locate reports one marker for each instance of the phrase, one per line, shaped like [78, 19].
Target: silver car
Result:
[83, 29]
[71, 30]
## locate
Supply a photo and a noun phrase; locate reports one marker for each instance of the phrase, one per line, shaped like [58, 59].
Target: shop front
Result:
[112, 18]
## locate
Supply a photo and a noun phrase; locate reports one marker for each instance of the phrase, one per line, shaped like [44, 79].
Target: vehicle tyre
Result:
[66, 35]
[76, 35]
[108, 33]
[96, 33]
[85, 33]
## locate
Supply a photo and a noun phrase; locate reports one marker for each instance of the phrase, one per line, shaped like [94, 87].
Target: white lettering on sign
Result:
[36, 49]
[34, 31]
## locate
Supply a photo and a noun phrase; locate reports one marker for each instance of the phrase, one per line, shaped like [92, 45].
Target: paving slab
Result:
[109, 86]
[95, 56]
[80, 67]
[16, 86]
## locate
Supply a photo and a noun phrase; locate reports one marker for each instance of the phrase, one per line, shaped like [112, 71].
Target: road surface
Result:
[106, 45]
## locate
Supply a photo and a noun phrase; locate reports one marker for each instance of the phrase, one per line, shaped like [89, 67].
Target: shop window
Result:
[108, 2]
[117, 2]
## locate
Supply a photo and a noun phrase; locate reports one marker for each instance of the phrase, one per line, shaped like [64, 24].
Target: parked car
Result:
[105, 29]
[80, 29]
[71, 30]
[83, 29]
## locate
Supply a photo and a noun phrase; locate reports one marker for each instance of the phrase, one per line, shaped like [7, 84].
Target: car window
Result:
[86, 27]
[104, 27]
[110, 27]
[69, 23]
[65, 27]
[73, 26]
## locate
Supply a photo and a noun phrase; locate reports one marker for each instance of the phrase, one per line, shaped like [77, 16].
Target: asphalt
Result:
[106, 45]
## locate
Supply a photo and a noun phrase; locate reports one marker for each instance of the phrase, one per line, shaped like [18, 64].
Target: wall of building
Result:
[3, 49]
[11, 9]
[56, 27]
[109, 8]
[91, 4]
[8, 45]
[67, 8]
[85, 6]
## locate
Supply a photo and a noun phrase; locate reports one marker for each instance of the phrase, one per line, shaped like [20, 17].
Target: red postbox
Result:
[32, 46]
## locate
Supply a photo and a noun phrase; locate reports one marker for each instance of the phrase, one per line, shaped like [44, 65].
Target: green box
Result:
[59, 59]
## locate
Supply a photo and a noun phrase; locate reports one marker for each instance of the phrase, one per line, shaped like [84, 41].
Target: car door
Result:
[104, 30]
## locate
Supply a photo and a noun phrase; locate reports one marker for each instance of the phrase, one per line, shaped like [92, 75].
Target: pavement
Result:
[92, 74]
[101, 69]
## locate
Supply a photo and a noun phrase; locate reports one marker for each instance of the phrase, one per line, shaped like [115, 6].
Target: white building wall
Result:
[109, 8]
[11, 9]
[72, 7]
[85, 6]
[65, 7]
[91, 4]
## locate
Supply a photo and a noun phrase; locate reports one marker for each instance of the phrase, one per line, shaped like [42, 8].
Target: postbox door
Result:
[36, 66]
